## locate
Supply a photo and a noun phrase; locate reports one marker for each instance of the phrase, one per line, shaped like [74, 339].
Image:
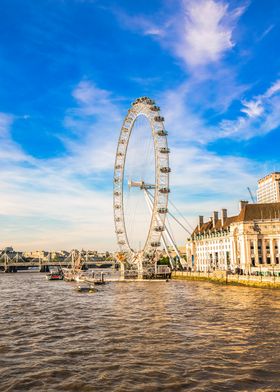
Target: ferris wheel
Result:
[156, 193]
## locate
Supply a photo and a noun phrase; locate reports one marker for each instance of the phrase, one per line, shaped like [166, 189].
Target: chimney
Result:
[215, 218]
[200, 221]
[223, 216]
[242, 204]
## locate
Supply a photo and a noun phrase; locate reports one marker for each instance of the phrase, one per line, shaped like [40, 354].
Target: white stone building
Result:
[248, 242]
[269, 188]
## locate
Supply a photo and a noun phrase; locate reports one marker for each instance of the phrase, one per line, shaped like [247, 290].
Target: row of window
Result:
[267, 260]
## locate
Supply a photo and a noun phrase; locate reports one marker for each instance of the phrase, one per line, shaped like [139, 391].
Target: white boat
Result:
[72, 273]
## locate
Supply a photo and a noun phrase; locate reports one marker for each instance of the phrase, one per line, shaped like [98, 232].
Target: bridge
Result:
[18, 263]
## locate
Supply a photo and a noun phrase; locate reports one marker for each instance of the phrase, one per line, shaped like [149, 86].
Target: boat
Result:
[101, 281]
[93, 280]
[55, 274]
[86, 289]
[74, 272]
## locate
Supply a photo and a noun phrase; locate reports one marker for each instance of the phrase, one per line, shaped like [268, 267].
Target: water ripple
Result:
[174, 336]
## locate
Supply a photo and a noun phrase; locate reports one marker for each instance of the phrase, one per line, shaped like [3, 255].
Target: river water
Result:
[142, 336]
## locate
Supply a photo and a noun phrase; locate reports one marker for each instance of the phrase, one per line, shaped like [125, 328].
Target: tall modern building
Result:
[269, 188]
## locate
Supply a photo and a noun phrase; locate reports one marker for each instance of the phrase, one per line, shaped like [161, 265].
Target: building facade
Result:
[269, 188]
[248, 242]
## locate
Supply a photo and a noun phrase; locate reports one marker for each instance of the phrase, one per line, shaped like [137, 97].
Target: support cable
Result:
[182, 216]
[169, 237]
[187, 230]
[179, 223]
[163, 239]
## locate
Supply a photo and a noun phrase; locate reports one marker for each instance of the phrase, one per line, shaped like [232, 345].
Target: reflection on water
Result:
[173, 336]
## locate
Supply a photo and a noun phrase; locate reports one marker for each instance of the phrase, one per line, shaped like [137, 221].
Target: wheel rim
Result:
[146, 107]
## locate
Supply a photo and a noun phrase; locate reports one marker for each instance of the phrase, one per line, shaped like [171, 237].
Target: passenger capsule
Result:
[164, 150]
[159, 118]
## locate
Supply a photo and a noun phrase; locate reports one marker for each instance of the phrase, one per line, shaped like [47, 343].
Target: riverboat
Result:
[94, 280]
[55, 274]
[86, 289]
[74, 272]
[70, 274]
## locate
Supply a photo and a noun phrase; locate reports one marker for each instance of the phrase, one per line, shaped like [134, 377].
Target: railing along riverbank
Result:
[223, 277]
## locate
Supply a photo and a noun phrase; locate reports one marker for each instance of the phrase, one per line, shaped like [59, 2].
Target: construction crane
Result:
[251, 195]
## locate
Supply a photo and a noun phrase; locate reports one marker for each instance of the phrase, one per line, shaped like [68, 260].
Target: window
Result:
[259, 246]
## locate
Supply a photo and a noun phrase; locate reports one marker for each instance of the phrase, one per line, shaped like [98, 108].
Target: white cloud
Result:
[252, 108]
[59, 203]
[141, 23]
[262, 116]
[9, 150]
[207, 31]
[201, 181]
[97, 121]
[194, 168]
[275, 88]
[266, 32]
[62, 202]
[184, 109]
[93, 101]
[183, 124]
[200, 33]
[5, 123]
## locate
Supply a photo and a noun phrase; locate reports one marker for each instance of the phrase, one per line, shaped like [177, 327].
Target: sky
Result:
[69, 70]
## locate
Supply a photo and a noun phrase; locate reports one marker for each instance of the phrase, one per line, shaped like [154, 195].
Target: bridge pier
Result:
[122, 269]
[140, 269]
[44, 268]
[10, 269]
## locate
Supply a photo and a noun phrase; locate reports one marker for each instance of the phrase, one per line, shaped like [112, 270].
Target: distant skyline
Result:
[69, 70]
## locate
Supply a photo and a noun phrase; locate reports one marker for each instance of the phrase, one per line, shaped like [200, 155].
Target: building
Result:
[246, 243]
[38, 254]
[269, 188]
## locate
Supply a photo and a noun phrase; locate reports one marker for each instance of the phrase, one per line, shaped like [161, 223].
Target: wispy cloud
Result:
[200, 33]
[207, 31]
[275, 88]
[5, 123]
[142, 24]
[95, 119]
[261, 116]
[67, 201]
[9, 149]
[252, 108]
[202, 180]
[266, 32]
[62, 201]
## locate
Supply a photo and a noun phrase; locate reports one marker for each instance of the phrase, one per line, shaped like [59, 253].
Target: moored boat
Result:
[74, 272]
[55, 274]
[71, 274]
[93, 279]
[86, 289]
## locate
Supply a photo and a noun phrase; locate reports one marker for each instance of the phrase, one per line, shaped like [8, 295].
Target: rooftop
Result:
[268, 176]
[249, 212]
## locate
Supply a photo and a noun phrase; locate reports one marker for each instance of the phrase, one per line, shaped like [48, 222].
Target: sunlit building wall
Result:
[247, 242]
[269, 188]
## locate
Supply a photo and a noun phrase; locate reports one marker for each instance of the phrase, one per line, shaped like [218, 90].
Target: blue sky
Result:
[69, 70]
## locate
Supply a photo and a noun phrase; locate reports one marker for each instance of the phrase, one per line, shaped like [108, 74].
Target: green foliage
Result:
[163, 261]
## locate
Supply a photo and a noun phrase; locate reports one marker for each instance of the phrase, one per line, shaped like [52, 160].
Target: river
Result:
[142, 336]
